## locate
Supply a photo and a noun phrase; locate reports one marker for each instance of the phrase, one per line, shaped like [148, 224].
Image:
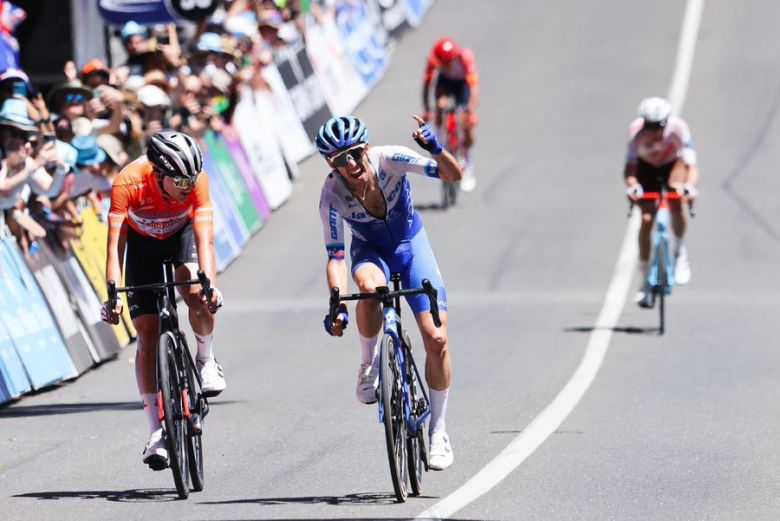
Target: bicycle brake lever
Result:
[205, 283]
[334, 304]
[433, 294]
[111, 294]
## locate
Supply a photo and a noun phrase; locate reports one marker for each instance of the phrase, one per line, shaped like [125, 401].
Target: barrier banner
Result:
[296, 143]
[90, 250]
[87, 303]
[241, 162]
[415, 9]
[253, 120]
[80, 347]
[299, 79]
[26, 317]
[232, 181]
[13, 379]
[228, 236]
[145, 12]
[396, 15]
[364, 39]
[341, 85]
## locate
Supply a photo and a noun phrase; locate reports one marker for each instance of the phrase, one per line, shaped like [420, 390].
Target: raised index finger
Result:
[420, 121]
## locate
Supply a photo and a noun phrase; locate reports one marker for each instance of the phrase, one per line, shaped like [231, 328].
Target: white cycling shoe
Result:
[211, 376]
[367, 383]
[469, 181]
[440, 456]
[155, 452]
[682, 268]
[645, 298]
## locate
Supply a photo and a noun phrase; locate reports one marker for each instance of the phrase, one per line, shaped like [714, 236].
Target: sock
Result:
[679, 246]
[204, 342]
[369, 348]
[438, 410]
[150, 410]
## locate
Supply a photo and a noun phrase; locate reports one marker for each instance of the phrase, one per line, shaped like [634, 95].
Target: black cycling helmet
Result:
[175, 154]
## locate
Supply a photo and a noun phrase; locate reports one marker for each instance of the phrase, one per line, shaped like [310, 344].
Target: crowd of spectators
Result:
[61, 152]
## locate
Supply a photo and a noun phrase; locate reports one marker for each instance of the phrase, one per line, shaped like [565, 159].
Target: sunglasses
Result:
[75, 97]
[340, 160]
[184, 183]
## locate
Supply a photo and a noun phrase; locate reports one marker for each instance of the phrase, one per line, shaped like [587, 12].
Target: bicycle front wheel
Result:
[663, 285]
[416, 453]
[391, 402]
[170, 387]
[196, 405]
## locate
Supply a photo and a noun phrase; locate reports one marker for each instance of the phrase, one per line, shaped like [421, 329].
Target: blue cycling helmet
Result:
[339, 133]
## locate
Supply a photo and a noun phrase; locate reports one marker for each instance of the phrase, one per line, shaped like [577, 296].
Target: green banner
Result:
[232, 181]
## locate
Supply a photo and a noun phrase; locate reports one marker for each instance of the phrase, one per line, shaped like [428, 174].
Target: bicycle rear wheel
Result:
[196, 404]
[416, 454]
[173, 420]
[391, 402]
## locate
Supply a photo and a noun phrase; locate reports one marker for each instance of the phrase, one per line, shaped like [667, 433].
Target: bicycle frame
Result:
[660, 277]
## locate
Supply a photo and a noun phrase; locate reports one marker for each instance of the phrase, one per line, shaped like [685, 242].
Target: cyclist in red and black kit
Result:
[161, 208]
[456, 76]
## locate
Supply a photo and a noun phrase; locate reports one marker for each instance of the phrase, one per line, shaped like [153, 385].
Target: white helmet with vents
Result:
[655, 111]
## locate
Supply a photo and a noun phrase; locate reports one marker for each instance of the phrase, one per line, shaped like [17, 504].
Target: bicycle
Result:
[660, 275]
[181, 404]
[403, 401]
[449, 191]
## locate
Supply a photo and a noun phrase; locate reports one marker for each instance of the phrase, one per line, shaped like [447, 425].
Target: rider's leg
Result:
[677, 208]
[201, 319]
[368, 314]
[148, 333]
[442, 100]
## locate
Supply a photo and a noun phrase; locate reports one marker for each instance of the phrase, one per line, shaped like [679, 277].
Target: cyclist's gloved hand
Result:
[106, 314]
[337, 327]
[425, 137]
[690, 192]
[634, 192]
[216, 299]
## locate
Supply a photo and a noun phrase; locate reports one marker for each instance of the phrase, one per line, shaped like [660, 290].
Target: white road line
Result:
[559, 409]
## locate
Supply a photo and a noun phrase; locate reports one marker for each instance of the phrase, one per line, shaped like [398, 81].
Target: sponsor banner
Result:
[87, 304]
[241, 162]
[304, 87]
[296, 143]
[233, 182]
[229, 237]
[341, 85]
[79, 345]
[144, 12]
[396, 15]
[90, 250]
[253, 120]
[364, 39]
[415, 9]
[13, 379]
[26, 317]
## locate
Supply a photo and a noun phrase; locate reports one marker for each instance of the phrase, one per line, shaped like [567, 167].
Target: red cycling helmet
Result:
[445, 49]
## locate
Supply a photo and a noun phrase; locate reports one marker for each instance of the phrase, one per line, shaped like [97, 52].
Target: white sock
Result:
[438, 410]
[643, 266]
[205, 342]
[679, 246]
[150, 410]
[369, 348]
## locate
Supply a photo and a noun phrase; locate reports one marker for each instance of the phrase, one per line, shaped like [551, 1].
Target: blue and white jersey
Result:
[337, 204]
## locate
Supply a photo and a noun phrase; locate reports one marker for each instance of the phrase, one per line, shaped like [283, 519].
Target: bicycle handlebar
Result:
[383, 294]
[202, 279]
[656, 196]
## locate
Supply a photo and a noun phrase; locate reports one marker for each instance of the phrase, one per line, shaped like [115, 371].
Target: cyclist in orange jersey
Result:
[160, 208]
[456, 76]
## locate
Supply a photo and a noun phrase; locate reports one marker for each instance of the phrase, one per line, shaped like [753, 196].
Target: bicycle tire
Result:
[445, 195]
[194, 436]
[173, 420]
[392, 417]
[415, 445]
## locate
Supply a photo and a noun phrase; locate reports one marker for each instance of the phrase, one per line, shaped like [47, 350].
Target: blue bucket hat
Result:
[132, 28]
[88, 151]
[14, 114]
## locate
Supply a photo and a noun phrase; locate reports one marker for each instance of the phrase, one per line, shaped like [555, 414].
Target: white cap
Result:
[152, 96]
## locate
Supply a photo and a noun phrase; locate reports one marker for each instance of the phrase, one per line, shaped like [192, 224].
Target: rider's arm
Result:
[472, 78]
[430, 68]
[629, 174]
[333, 235]
[117, 230]
[203, 226]
[449, 168]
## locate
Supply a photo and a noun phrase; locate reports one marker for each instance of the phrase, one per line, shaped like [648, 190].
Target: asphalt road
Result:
[674, 427]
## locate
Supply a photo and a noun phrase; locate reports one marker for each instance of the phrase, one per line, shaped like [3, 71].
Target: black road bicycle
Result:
[181, 404]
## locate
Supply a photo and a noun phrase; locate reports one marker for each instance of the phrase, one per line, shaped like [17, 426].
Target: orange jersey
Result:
[463, 67]
[138, 201]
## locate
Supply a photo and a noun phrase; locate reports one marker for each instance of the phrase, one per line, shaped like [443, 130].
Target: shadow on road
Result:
[50, 409]
[350, 499]
[436, 207]
[630, 330]
[120, 496]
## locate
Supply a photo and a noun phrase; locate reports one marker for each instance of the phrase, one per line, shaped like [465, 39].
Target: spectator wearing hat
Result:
[69, 99]
[154, 107]
[95, 73]
[93, 163]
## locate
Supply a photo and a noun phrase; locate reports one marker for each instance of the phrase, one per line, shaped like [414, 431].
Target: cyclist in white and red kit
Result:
[660, 150]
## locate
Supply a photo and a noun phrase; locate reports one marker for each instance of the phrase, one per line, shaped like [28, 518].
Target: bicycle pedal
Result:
[157, 463]
[212, 394]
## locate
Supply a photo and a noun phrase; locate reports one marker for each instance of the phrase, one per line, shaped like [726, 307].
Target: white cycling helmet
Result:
[655, 111]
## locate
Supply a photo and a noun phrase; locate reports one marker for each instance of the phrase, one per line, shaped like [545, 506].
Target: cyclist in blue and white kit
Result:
[368, 189]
